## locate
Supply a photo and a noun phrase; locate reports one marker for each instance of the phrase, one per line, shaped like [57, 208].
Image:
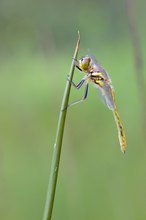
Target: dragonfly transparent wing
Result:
[106, 94]
[95, 64]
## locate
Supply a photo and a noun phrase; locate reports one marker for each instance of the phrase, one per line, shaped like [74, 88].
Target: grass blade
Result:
[58, 142]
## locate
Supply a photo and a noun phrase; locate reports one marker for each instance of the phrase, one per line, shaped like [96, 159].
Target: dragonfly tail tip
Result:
[123, 151]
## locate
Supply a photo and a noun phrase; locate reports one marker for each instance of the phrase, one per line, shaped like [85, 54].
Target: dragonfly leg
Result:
[78, 86]
[81, 100]
[83, 97]
[76, 63]
[78, 68]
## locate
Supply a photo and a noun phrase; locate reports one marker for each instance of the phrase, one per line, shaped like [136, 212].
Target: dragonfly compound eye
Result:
[84, 63]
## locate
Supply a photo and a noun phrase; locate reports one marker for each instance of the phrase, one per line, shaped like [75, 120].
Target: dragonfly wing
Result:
[102, 98]
[96, 65]
[107, 96]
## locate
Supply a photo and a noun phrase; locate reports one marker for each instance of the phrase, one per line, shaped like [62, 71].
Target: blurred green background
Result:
[37, 40]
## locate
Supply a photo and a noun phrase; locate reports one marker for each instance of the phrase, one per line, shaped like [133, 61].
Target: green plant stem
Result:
[58, 143]
[138, 59]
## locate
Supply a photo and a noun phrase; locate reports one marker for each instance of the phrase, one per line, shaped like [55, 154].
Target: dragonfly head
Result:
[84, 63]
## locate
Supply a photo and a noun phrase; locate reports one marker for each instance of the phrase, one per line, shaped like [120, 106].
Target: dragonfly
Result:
[94, 73]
